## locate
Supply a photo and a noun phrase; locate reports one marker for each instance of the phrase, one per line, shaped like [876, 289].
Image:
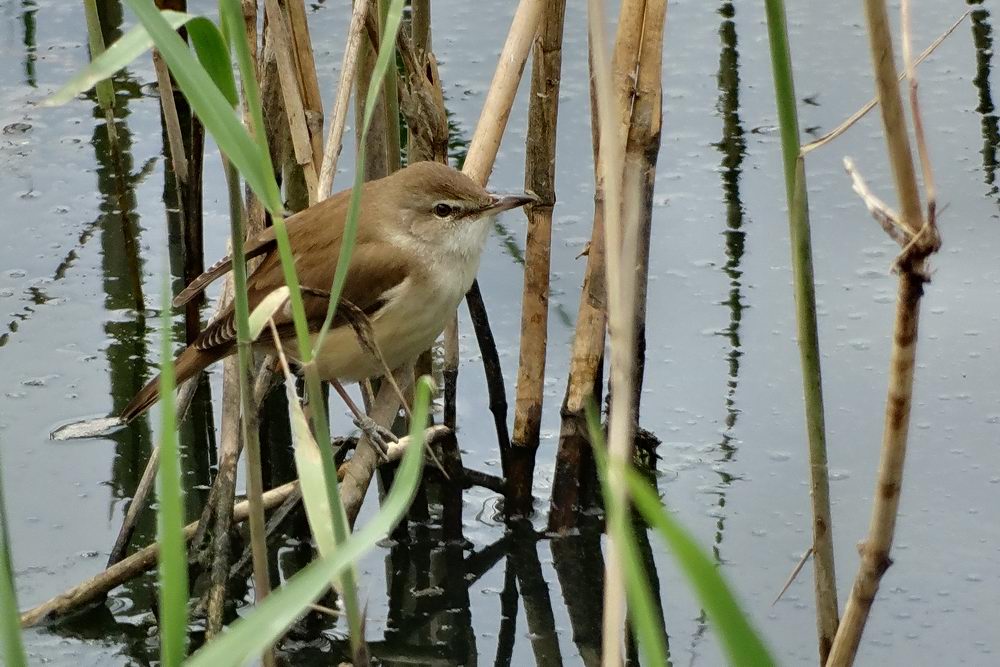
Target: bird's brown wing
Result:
[375, 269]
[300, 225]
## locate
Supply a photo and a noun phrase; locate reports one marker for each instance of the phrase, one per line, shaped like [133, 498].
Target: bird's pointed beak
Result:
[505, 202]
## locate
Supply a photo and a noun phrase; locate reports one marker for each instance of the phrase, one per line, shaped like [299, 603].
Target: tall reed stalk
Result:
[824, 580]
[539, 178]
[918, 236]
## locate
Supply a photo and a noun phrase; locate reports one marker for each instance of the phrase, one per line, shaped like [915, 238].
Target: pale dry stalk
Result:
[621, 305]
[349, 68]
[922, 240]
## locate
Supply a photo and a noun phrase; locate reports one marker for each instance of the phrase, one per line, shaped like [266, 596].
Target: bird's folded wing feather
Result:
[300, 224]
[374, 270]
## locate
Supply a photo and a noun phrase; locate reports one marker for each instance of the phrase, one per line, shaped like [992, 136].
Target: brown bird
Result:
[420, 235]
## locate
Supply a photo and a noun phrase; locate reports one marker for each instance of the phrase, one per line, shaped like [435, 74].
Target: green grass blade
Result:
[129, 46]
[11, 645]
[741, 642]
[173, 583]
[95, 38]
[644, 614]
[234, 31]
[249, 636]
[212, 107]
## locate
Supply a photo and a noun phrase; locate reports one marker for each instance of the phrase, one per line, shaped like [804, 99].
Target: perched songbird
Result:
[420, 235]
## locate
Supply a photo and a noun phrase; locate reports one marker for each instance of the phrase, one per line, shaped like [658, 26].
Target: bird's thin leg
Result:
[379, 435]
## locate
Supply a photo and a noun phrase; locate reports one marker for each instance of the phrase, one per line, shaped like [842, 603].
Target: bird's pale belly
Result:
[404, 328]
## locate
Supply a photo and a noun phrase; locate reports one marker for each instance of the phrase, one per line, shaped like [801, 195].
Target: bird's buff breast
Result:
[408, 324]
[416, 311]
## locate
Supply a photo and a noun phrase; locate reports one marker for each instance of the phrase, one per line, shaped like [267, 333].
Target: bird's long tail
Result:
[188, 364]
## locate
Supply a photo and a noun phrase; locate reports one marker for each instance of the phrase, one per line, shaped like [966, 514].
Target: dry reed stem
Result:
[450, 371]
[873, 102]
[349, 67]
[421, 25]
[478, 165]
[922, 241]
[99, 585]
[305, 66]
[573, 458]
[376, 148]
[178, 160]
[644, 95]
[620, 308]
[539, 178]
[496, 109]
[422, 104]
[292, 96]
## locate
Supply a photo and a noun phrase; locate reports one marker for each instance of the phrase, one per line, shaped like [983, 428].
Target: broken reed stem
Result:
[824, 573]
[923, 241]
[145, 559]
[349, 68]
[305, 67]
[574, 458]
[621, 305]
[179, 167]
[288, 76]
[539, 178]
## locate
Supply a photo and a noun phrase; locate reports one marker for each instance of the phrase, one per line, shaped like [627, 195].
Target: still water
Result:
[722, 383]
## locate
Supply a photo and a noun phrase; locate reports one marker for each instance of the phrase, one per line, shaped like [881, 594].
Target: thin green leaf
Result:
[644, 616]
[95, 38]
[11, 645]
[173, 583]
[741, 642]
[311, 478]
[250, 635]
[213, 54]
[266, 309]
[212, 107]
[129, 46]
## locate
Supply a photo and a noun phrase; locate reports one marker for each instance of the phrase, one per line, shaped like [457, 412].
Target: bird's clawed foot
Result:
[378, 435]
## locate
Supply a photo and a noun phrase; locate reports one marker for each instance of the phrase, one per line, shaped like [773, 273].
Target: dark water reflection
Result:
[722, 385]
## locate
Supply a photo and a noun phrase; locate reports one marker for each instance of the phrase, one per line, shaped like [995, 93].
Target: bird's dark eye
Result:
[442, 210]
